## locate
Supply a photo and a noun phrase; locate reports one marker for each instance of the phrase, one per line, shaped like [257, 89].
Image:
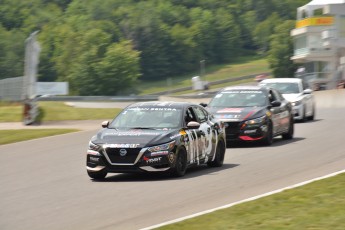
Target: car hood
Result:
[138, 137]
[292, 97]
[237, 114]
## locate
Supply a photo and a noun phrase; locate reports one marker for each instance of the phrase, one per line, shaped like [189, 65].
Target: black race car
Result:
[156, 136]
[253, 113]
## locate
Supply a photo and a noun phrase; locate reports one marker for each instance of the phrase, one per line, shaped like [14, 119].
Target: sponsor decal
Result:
[132, 133]
[174, 136]
[228, 116]
[127, 146]
[152, 160]
[315, 21]
[171, 157]
[181, 133]
[160, 153]
[230, 110]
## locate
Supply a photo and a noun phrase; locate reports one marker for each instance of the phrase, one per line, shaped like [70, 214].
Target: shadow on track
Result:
[277, 141]
[308, 121]
[195, 171]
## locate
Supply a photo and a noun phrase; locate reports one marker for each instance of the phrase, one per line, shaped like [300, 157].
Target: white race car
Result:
[297, 92]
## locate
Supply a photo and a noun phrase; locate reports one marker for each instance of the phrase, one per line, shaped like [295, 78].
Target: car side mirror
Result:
[307, 91]
[193, 125]
[276, 103]
[105, 124]
[203, 104]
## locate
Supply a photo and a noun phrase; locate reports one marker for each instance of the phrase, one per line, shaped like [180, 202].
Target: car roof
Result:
[272, 80]
[246, 87]
[165, 104]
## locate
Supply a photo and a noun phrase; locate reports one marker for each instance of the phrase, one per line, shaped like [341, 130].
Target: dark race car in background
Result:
[253, 113]
[157, 136]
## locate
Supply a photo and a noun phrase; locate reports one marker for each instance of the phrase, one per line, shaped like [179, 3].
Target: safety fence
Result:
[11, 89]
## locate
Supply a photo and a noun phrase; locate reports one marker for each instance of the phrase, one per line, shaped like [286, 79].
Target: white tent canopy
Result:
[325, 2]
[316, 4]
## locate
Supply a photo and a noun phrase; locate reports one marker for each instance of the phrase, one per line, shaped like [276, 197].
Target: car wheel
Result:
[268, 140]
[97, 175]
[289, 134]
[180, 165]
[219, 158]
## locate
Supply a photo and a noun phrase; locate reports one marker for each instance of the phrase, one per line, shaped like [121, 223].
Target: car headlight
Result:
[256, 121]
[162, 147]
[295, 103]
[94, 146]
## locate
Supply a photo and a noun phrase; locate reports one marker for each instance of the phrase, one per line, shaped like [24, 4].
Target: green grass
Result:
[12, 136]
[56, 111]
[319, 205]
[248, 66]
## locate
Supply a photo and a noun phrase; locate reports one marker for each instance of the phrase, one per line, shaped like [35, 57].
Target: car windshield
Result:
[239, 98]
[284, 87]
[148, 118]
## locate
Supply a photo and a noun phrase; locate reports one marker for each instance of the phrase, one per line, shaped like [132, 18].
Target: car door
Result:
[193, 137]
[308, 99]
[204, 134]
[283, 112]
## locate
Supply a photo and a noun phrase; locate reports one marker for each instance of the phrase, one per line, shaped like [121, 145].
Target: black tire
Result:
[268, 139]
[219, 158]
[97, 175]
[180, 167]
[289, 134]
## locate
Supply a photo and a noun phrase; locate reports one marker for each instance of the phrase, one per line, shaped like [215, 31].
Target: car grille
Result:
[116, 158]
[232, 130]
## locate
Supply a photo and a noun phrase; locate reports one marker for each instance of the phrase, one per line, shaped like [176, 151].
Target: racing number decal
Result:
[193, 146]
[200, 147]
[206, 140]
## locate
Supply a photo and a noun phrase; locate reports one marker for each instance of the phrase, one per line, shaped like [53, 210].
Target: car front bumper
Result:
[236, 131]
[298, 112]
[97, 161]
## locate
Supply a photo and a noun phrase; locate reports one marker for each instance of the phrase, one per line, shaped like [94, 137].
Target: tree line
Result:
[103, 47]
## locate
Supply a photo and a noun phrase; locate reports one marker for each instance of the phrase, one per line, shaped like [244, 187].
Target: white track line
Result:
[242, 201]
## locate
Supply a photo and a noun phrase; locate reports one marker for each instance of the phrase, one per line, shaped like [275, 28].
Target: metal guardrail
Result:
[148, 97]
[217, 82]
[99, 98]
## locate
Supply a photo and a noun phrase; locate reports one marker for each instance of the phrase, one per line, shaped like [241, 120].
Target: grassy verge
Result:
[56, 111]
[319, 205]
[12, 136]
[248, 66]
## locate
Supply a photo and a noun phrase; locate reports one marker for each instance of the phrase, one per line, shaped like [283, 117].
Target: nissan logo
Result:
[123, 152]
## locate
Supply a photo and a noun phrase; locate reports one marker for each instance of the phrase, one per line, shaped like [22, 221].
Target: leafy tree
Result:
[111, 75]
[281, 51]
[170, 37]
[227, 36]
[263, 31]
[11, 53]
